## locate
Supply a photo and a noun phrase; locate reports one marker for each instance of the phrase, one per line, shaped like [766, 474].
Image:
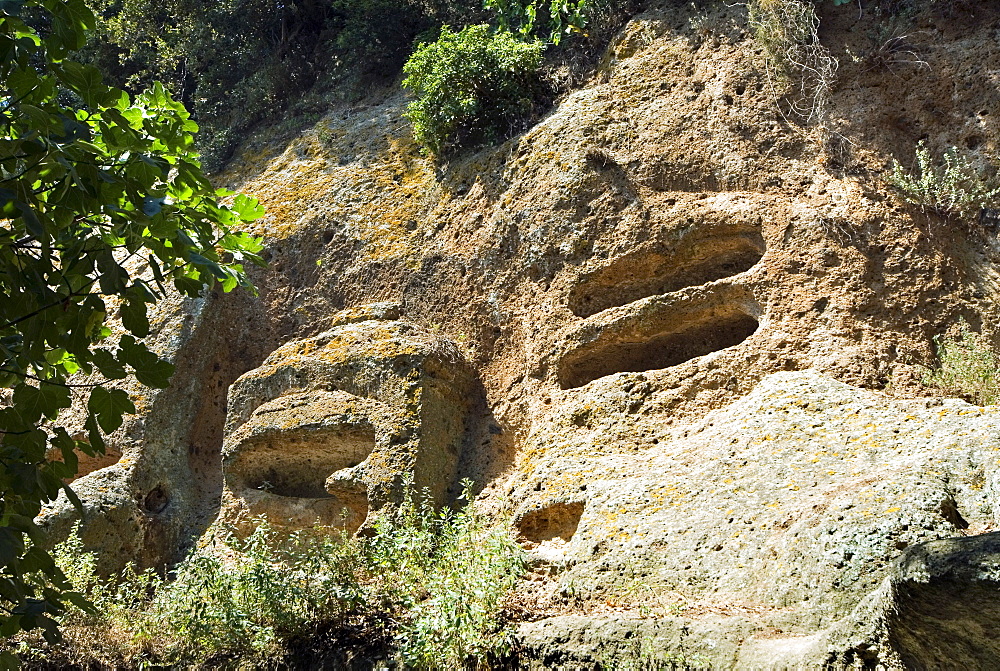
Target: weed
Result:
[436, 580]
[968, 367]
[950, 186]
[794, 57]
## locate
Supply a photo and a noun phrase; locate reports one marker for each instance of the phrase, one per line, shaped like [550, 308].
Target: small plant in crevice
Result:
[949, 185]
[895, 50]
[431, 585]
[800, 70]
[968, 367]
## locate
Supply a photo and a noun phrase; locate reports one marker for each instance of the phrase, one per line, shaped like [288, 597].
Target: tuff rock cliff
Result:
[676, 334]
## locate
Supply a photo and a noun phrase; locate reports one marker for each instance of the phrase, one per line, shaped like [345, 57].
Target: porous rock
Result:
[700, 326]
[161, 490]
[783, 512]
[331, 427]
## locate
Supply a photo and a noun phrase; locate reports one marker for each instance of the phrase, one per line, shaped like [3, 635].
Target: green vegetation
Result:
[237, 63]
[475, 85]
[969, 367]
[780, 28]
[430, 586]
[949, 186]
[471, 86]
[104, 205]
[549, 21]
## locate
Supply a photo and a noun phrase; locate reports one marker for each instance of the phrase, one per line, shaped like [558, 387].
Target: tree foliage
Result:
[546, 19]
[237, 63]
[104, 207]
[470, 86]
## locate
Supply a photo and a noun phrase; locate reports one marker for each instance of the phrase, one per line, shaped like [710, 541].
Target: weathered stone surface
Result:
[639, 281]
[162, 488]
[791, 505]
[331, 427]
[946, 604]
[574, 642]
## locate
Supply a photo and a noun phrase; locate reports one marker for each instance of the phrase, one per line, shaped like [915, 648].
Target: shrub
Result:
[968, 367]
[950, 186]
[440, 577]
[471, 86]
[458, 619]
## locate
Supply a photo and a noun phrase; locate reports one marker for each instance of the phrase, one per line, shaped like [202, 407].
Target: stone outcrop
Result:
[782, 512]
[331, 427]
[944, 604]
[676, 335]
[162, 491]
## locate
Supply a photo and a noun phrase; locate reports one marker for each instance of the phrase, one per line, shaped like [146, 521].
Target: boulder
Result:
[332, 427]
[786, 512]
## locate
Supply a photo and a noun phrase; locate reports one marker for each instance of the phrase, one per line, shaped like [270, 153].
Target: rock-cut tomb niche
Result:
[330, 428]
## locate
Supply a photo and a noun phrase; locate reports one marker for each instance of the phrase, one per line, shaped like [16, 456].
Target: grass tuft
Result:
[969, 368]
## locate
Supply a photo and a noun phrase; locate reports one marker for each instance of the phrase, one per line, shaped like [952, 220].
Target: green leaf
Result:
[39, 118]
[149, 369]
[13, 624]
[72, 20]
[151, 205]
[67, 448]
[11, 7]
[108, 365]
[242, 242]
[7, 659]
[248, 209]
[36, 559]
[11, 546]
[74, 499]
[86, 81]
[79, 600]
[109, 407]
[31, 220]
[94, 437]
[212, 266]
[47, 400]
[113, 277]
[133, 314]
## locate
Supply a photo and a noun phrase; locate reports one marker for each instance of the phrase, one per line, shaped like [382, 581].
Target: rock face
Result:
[782, 512]
[331, 427]
[945, 608]
[162, 493]
[675, 334]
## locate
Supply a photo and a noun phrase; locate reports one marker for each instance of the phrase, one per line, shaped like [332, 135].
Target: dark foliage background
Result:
[237, 63]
